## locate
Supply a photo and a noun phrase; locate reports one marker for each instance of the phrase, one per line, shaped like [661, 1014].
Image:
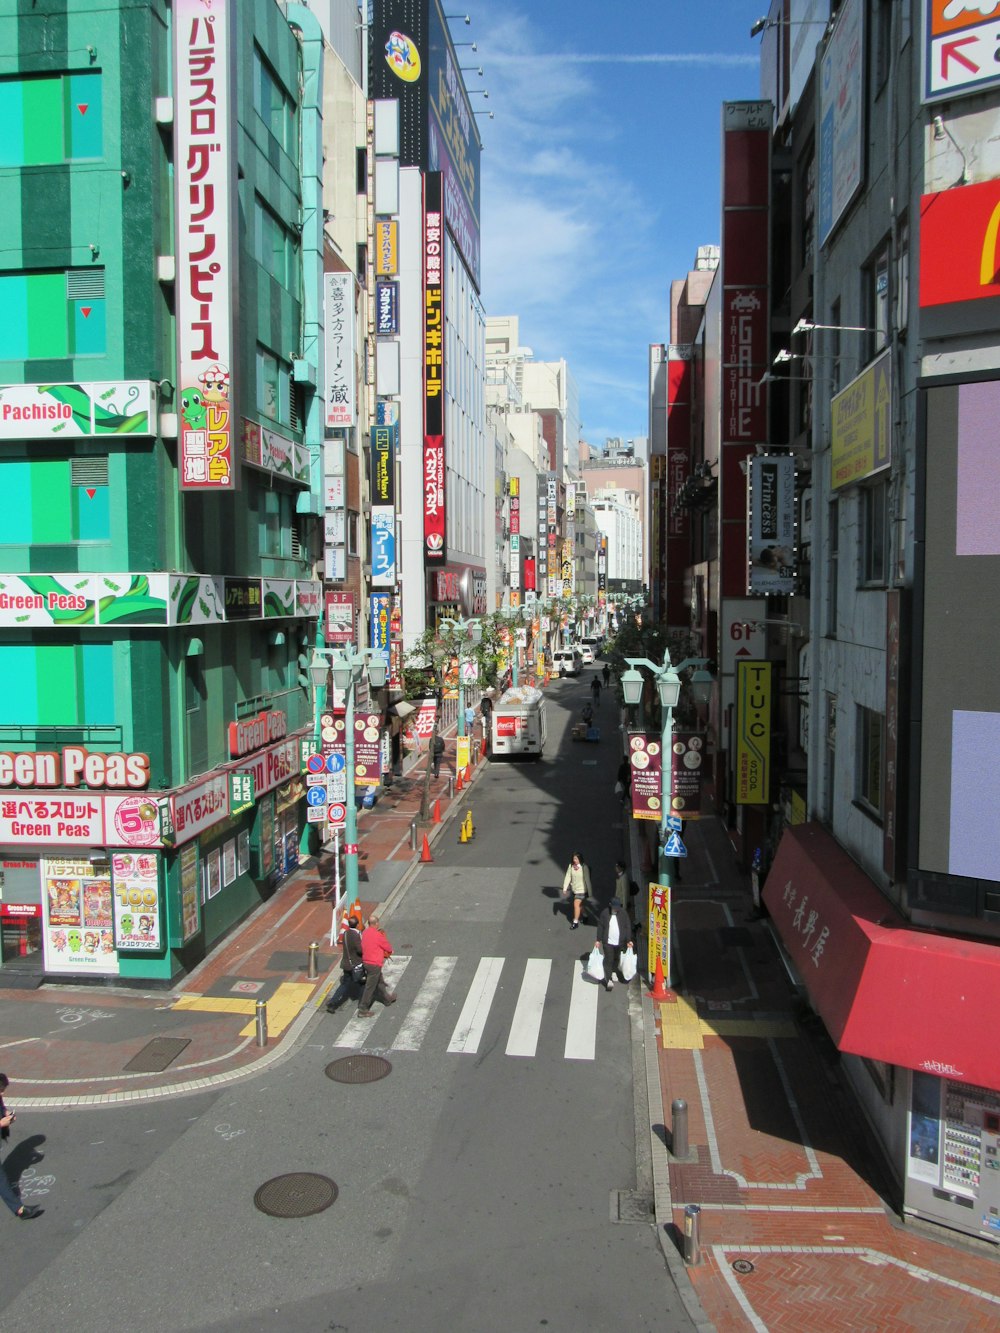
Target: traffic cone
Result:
[461, 832]
[425, 851]
[437, 812]
[659, 991]
[458, 780]
[471, 832]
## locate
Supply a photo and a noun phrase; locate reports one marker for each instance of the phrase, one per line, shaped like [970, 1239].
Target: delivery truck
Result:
[518, 723]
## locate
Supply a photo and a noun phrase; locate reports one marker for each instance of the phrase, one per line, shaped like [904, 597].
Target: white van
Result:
[518, 723]
[566, 662]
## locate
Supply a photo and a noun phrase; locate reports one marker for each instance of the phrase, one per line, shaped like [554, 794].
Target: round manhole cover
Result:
[299, 1194]
[742, 1266]
[358, 1069]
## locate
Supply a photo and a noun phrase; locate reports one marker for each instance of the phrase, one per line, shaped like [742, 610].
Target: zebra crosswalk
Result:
[437, 1007]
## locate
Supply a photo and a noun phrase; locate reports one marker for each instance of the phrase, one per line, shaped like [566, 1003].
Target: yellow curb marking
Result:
[682, 1030]
[215, 1004]
[283, 1006]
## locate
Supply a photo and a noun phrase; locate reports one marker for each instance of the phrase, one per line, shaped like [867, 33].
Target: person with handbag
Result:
[375, 950]
[614, 933]
[576, 885]
[25, 1211]
[352, 969]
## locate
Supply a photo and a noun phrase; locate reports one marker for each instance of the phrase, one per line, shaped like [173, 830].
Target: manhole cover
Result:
[358, 1069]
[157, 1055]
[299, 1194]
[742, 1266]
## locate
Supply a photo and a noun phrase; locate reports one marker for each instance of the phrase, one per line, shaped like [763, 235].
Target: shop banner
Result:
[687, 767]
[771, 523]
[76, 910]
[367, 749]
[646, 764]
[338, 345]
[136, 898]
[53, 411]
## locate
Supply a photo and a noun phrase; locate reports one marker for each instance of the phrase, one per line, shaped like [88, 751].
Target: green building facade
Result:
[156, 712]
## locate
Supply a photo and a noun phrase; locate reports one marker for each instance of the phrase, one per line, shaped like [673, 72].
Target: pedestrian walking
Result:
[621, 882]
[437, 753]
[375, 949]
[486, 708]
[470, 719]
[576, 885]
[25, 1211]
[614, 933]
[623, 781]
[352, 969]
[595, 690]
[606, 673]
[587, 713]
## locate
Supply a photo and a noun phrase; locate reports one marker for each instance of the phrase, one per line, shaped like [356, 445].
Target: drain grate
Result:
[157, 1055]
[358, 1069]
[734, 937]
[743, 1266]
[631, 1206]
[299, 1194]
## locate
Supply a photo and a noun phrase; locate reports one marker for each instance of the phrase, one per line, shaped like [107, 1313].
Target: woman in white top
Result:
[576, 884]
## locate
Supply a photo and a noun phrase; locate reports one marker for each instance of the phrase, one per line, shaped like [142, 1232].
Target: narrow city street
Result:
[480, 1182]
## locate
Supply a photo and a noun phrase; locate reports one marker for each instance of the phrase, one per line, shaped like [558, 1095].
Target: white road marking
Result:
[418, 1020]
[523, 1039]
[581, 1026]
[469, 1028]
[358, 1028]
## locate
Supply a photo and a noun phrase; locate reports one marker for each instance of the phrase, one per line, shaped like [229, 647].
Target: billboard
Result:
[841, 117]
[861, 425]
[435, 544]
[48, 411]
[205, 243]
[771, 523]
[959, 47]
[338, 347]
[960, 244]
[753, 732]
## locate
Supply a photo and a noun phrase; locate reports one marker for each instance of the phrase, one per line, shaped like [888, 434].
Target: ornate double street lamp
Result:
[347, 668]
[466, 631]
[667, 678]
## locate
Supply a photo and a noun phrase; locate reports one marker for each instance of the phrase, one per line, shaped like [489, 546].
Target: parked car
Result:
[587, 653]
[567, 662]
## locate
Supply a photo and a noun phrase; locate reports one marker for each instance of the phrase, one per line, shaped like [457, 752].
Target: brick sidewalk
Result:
[779, 1160]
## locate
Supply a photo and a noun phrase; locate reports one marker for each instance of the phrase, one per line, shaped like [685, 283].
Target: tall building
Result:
[159, 378]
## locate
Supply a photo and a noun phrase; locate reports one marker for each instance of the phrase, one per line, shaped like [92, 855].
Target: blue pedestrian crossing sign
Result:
[316, 795]
[674, 846]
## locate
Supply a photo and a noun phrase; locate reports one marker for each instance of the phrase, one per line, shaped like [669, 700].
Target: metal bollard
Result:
[692, 1234]
[261, 1022]
[451, 785]
[413, 835]
[312, 972]
[679, 1123]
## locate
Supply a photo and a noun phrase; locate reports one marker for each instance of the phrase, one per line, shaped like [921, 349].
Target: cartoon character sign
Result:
[402, 57]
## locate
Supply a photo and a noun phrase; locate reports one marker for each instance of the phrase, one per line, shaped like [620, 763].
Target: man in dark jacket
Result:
[614, 933]
[350, 961]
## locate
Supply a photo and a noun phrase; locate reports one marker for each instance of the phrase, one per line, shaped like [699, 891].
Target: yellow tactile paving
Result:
[215, 1004]
[680, 1026]
[284, 1005]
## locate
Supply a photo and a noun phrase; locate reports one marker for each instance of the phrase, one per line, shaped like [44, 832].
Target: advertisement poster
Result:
[659, 930]
[76, 912]
[771, 523]
[136, 901]
[367, 750]
[229, 862]
[189, 891]
[214, 883]
[645, 761]
[687, 770]
[243, 852]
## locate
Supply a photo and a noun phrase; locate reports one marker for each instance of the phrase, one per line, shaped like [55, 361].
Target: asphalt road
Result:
[477, 1181]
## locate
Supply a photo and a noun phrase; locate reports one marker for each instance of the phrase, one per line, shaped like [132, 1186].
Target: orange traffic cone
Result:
[458, 780]
[659, 991]
[437, 812]
[425, 851]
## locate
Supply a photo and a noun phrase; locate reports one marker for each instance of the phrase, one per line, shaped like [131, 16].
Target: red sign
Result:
[506, 726]
[253, 733]
[687, 767]
[434, 421]
[959, 253]
[645, 761]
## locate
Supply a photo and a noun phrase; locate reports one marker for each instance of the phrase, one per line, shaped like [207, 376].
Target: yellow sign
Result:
[861, 425]
[659, 930]
[461, 753]
[753, 732]
[386, 249]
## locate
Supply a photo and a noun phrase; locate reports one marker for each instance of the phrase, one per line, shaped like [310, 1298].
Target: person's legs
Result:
[7, 1192]
[612, 954]
[371, 986]
[577, 910]
[342, 993]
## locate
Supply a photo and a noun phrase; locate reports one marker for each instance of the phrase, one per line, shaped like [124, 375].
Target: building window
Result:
[883, 42]
[194, 683]
[274, 248]
[361, 170]
[832, 568]
[52, 314]
[274, 380]
[51, 118]
[271, 102]
[902, 275]
[808, 234]
[871, 736]
[275, 523]
[353, 530]
[877, 301]
[834, 343]
[830, 755]
[874, 502]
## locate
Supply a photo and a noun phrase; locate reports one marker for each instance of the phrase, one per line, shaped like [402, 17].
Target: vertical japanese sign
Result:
[379, 606]
[659, 930]
[383, 518]
[646, 763]
[771, 523]
[338, 346]
[339, 617]
[205, 242]
[753, 732]
[435, 551]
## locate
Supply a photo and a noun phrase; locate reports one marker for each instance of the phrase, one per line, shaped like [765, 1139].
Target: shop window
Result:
[874, 502]
[871, 745]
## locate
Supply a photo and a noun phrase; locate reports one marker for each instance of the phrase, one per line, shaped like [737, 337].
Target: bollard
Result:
[312, 971]
[261, 1022]
[692, 1234]
[413, 835]
[679, 1123]
[451, 785]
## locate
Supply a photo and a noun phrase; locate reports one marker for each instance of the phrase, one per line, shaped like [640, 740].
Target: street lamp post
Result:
[348, 668]
[668, 687]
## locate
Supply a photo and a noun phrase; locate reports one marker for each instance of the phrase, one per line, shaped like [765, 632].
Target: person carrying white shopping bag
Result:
[614, 933]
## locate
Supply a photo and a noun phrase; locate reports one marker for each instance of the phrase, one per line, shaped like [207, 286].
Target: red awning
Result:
[883, 989]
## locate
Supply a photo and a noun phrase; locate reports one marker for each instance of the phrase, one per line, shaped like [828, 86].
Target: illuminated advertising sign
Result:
[435, 546]
[771, 521]
[386, 248]
[959, 250]
[339, 626]
[386, 309]
[959, 47]
[379, 606]
[205, 239]
[338, 346]
[861, 425]
[753, 732]
[383, 546]
[383, 469]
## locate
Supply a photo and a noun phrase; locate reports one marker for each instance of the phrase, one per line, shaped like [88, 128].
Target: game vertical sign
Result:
[205, 242]
[435, 549]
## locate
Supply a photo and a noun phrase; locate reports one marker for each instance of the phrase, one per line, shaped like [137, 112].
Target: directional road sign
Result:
[674, 823]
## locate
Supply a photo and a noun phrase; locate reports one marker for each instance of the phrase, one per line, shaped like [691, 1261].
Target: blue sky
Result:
[601, 172]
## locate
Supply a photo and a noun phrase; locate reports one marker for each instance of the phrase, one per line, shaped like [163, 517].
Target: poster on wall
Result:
[243, 852]
[77, 917]
[189, 891]
[229, 862]
[136, 897]
[214, 876]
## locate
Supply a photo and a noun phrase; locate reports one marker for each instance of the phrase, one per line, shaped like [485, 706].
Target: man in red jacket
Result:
[375, 949]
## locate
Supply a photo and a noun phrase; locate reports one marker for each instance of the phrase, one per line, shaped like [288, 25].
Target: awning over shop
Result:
[883, 989]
